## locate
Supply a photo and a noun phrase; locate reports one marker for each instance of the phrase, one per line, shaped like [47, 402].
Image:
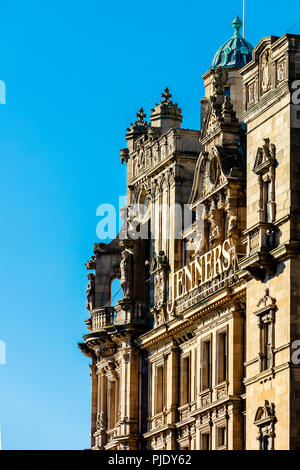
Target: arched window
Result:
[116, 292]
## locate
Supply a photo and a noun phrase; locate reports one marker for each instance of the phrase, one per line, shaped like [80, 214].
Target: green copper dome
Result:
[236, 52]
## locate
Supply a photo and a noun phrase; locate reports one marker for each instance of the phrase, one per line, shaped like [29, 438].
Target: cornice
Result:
[159, 430]
[268, 374]
[148, 340]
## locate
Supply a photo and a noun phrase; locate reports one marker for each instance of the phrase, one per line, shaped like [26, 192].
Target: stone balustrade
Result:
[260, 238]
[102, 317]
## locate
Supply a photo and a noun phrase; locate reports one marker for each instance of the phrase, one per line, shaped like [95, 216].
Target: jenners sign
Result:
[207, 267]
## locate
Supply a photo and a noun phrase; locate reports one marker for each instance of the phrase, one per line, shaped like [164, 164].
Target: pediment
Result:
[264, 413]
[265, 156]
[214, 170]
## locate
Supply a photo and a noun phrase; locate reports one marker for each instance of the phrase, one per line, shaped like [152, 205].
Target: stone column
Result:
[94, 380]
[174, 393]
[103, 406]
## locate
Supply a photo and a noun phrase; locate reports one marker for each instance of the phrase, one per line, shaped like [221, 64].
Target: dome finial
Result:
[237, 24]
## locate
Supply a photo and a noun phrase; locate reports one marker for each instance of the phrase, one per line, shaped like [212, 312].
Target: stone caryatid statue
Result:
[197, 244]
[232, 223]
[90, 292]
[126, 273]
[159, 269]
[160, 287]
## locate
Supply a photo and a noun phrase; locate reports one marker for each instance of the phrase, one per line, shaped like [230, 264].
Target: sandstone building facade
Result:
[199, 352]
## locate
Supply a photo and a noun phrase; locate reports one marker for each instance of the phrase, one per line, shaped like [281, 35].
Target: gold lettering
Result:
[170, 305]
[226, 255]
[179, 284]
[197, 273]
[217, 260]
[188, 278]
[200, 271]
[208, 270]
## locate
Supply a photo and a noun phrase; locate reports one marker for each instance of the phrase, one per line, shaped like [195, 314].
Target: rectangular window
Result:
[221, 436]
[206, 365]
[205, 441]
[222, 357]
[267, 344]
[160, 389]
[185, 381]
[227, 91]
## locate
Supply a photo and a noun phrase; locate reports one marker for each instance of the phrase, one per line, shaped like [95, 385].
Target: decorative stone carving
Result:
[265, 420]
[101, 421]
[264, 168]
[91, 264]
[232, 223]
[281, 71]
[159, 268]
[265, 155]
[126, 273]
[196, 244]
[159, 285]
[90, 292]
[124, 155]
[251, 93]
[265, 72]
[212, 123]
[214, 171]
[219, 81]
[215, 233]
[266, 300]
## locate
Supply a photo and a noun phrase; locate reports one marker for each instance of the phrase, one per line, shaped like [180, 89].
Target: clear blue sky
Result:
[76, 73]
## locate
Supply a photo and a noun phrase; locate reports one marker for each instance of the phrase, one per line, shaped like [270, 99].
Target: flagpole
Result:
[244, 18]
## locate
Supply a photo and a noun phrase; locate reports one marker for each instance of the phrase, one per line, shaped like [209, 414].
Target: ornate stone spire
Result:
[166, 95]
[166, 114]
[141, 115]
[140, 125]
